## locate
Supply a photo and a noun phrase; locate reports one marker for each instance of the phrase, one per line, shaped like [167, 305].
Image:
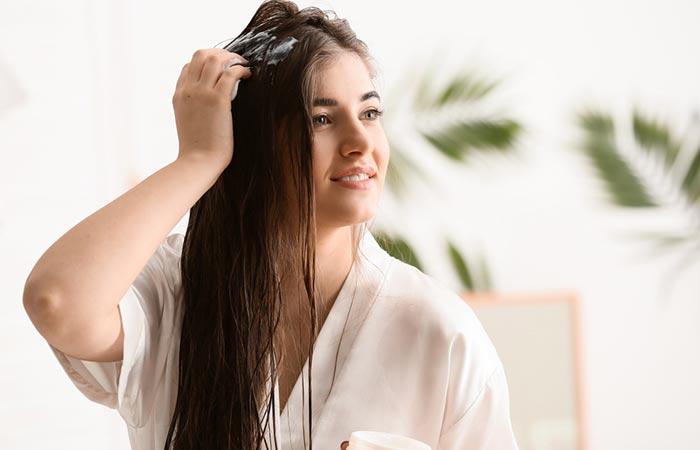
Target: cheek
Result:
[320, 162]
[383, 151]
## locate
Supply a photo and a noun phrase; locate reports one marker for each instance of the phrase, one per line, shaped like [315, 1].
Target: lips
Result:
[361, 185]
[355, 171]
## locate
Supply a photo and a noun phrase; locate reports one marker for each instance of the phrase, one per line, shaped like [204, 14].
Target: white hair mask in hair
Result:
[259, 47]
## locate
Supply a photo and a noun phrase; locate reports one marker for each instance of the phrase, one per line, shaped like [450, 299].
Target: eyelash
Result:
[378, 112]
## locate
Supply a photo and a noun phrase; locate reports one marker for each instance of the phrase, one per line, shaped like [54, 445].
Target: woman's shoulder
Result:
[411, 288]
[421, 313]
[423, 301]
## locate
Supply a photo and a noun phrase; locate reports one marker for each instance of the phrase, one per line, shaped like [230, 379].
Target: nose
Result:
[356, 139]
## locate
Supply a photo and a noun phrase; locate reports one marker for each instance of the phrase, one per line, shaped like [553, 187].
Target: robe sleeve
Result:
[147, 313]
[486, 424]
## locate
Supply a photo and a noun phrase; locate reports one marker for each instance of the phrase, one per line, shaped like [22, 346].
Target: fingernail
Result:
[236, 62]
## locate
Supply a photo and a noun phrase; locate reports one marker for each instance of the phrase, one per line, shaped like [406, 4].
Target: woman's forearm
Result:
[87, 270]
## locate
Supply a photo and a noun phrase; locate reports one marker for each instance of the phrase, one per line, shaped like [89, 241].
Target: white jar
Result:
[375, 440]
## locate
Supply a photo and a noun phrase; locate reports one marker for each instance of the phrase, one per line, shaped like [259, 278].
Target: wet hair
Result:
[253, 233]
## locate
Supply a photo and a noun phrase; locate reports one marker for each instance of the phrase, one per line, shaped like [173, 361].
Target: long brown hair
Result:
[254, 229]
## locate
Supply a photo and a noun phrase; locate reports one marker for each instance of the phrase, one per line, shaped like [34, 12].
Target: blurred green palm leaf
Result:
[655, 137]
[455, 138]
[624, 187]
[627, 188]
[477, 278]
[398, 248]
[464, 87]
[691, 180]
[473, 277]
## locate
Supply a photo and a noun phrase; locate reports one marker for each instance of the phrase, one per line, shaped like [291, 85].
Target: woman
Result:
[210, 345]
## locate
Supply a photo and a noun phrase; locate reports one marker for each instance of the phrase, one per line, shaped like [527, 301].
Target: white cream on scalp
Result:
[259, 47]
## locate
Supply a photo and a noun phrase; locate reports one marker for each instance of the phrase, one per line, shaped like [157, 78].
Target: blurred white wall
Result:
[85, 111]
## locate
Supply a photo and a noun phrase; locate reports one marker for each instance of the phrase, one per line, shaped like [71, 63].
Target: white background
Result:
[85, 112]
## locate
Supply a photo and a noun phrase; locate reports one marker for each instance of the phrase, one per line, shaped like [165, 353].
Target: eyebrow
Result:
[332, 102]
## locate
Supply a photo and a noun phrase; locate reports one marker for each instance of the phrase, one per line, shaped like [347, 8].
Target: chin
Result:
[348, 217]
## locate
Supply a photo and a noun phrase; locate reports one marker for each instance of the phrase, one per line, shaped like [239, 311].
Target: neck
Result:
[333, 261]
[333, 264]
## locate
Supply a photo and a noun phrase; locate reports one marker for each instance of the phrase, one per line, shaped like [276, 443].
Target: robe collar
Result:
[337, 335]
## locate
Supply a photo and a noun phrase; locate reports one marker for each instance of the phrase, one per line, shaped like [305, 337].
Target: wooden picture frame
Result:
[538, 338]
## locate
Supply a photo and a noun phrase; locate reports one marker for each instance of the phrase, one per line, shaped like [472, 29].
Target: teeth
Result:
[358, 177]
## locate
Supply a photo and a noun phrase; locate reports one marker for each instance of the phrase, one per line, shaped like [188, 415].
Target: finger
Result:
[200, 58]
[228, 82]
[183, 76]
[216, 63]
[196, 65]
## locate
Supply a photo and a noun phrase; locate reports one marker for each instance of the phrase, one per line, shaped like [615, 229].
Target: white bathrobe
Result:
[413, 360]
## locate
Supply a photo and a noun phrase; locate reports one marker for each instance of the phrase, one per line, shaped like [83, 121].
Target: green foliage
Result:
[455, 138]
[398, 248]
[464, 87]
[477, 278]
[691, 181]
[623, 185]
[474, 277]
[460, 266]
[655, 137]
[653, 140]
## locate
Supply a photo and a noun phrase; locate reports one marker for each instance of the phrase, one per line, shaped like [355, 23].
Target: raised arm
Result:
[72, 293]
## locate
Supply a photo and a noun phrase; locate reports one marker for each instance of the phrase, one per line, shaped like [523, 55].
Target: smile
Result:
[355, 182]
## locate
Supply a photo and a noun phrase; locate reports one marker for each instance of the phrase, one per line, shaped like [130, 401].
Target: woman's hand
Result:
[202, 103]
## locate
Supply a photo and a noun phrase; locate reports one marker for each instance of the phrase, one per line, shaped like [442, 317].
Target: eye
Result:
[320, 116]
[378, 113]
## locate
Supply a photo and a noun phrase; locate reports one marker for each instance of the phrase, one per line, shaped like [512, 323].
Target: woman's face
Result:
[348, 133]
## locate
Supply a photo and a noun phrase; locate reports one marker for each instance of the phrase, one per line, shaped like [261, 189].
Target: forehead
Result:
[345, 76]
